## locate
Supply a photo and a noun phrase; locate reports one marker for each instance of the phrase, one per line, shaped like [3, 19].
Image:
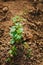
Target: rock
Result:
[38, 61]
[5, 9]
[30, 43]
[32, 58]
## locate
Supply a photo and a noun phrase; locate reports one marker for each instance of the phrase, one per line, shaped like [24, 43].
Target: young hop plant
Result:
[16, 30]
[28, 50]
[13, 51]
[17, 19]
[28, 55]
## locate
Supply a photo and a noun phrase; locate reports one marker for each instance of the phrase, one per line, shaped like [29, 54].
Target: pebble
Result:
[5, 9]
[30, 43]
[32, 58]
[38, 61]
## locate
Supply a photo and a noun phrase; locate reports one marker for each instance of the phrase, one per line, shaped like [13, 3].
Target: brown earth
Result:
[33, 31]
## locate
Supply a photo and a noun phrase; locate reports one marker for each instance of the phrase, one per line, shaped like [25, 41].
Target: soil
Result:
[33, 31]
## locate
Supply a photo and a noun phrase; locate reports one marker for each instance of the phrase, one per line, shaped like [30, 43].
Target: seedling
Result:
[28, 50]
[25, 11]
[16, 33]
[8, 59]
[13, 51]
[16, 30]
[28, 55]
[26, 46]
[17, 19]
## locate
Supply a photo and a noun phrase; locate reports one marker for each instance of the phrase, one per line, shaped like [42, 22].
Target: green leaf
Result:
[12, 29]
[18, 25]
[13, 51]
[16, 19]
[14, 48]
[12, 41]
[15, 36]
[10, 51]
[20, 30]
[18, 37]
[12, 34]
[8, 59]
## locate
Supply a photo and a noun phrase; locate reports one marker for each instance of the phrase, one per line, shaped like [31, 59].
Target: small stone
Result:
[34, 59]
[29, 43]
[38, 61]
[31, 58]
[40, 48]
[5, 9]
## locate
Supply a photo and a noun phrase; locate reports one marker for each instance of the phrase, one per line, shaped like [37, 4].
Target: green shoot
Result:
[8, 59]
[13, 51]
[28, 55]
[17, 19]
[16, 30]
[28, 50]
